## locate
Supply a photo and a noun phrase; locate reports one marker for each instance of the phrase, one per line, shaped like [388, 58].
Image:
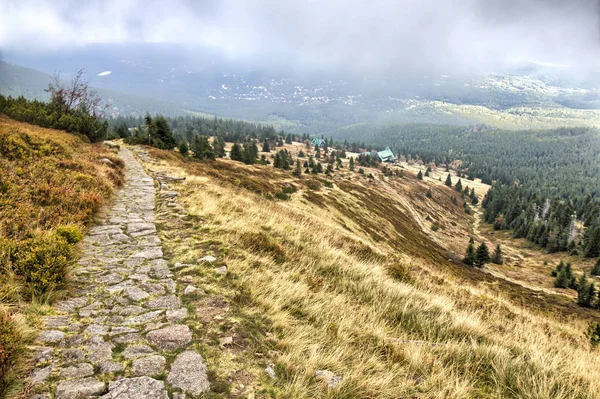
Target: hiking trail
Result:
[122, 333]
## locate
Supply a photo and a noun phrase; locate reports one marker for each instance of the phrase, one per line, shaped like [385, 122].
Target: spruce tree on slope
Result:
[448, 181]
[482, 256]
[236, 153]
[497, 257]
[469, 258]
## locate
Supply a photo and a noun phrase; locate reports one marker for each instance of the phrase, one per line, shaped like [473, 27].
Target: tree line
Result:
[74, 107]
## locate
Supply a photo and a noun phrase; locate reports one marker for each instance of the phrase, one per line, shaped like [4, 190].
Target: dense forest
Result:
[545, 183]
[185, 128]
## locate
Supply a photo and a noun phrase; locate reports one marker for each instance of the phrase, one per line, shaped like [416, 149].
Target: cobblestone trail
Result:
[122, 334]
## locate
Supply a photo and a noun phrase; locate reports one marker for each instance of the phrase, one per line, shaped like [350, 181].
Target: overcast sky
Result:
[446, 35]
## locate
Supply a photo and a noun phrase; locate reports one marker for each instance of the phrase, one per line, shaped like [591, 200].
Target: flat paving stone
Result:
[52, 336]
[172, 337]
[132, 352]
[164, 302]
[136, 293]
[188, 373]
[77, 371]
[79, 389]
[136, 388]
[151, 365]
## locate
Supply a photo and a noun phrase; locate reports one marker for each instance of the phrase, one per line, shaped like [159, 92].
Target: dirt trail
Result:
[123, 333]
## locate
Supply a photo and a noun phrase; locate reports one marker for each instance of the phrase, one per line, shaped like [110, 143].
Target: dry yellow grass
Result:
[351, 282]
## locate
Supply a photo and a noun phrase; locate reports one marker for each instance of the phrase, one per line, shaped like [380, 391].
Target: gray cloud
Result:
[339, 35]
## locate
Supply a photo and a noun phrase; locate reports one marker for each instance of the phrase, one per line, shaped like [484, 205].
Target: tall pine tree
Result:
[497, 257]
[469, 258]
[482, 256]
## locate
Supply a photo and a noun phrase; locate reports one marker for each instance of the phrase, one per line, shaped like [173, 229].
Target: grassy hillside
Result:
[51, 185]
[348, 275]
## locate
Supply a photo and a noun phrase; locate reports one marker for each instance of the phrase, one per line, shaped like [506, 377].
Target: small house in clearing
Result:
[384, 156]
[317, 141]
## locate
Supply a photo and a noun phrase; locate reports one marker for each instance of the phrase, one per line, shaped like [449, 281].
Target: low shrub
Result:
[70, 233]
[11, 346]
[288, 189]
[41, 262]
[313, 185]
[282, 196]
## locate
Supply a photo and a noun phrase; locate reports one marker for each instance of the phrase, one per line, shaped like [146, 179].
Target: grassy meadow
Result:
[346, 274]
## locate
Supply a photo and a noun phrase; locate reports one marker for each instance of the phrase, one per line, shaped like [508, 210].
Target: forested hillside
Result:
[188, 127]
[546, 181]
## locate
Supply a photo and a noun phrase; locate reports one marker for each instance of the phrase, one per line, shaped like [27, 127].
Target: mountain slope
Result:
[348, 276]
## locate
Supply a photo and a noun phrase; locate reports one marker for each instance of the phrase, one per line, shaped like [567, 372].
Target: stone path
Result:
[122, 334]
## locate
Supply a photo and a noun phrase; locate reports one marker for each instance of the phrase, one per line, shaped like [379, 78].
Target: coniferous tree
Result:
[219, 146]
[591, 241]
[249, 153]
[596, 269]
[429, 194]
[482, 256]
[473, 196]
[329, 170]
[183, 148]
[236, 153]
[572, 279]
[351, 163]
[458, 186]
[448, 181]
[298, 171]
[497, 256]
[558, 269]
[317, 151]
[122, 131]
[565, 277]
[201, 148]
[562, 280]
[420, 175]
[470, 258]
[586, 292]
[265, 147]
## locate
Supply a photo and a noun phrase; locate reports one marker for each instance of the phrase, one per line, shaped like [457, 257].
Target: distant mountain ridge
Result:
[30, 83]
[168, 80]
